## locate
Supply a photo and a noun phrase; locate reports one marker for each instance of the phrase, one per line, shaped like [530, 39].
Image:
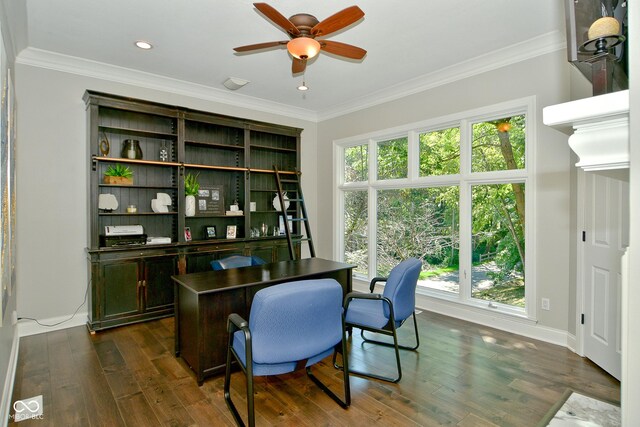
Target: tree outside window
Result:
[420, 217]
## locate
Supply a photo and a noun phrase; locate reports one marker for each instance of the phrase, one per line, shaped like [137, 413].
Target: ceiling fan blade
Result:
[298, 66]
[259, 46]
[277, 18]
[342, 49]
[337, 21]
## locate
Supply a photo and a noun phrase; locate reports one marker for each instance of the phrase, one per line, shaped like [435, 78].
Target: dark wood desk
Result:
[203, 302]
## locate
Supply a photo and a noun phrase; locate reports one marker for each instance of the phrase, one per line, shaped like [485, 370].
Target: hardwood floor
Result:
[463, 374]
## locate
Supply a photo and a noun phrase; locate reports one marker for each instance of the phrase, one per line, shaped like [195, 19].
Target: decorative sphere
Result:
[606, 26]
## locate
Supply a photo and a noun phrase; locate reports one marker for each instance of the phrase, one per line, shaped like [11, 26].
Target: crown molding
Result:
[541, 45]
[100, 70]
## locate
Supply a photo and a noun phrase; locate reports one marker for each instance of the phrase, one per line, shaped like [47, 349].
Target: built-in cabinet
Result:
[232, 157]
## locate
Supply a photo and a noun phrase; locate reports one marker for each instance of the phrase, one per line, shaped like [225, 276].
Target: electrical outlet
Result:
[546, 305]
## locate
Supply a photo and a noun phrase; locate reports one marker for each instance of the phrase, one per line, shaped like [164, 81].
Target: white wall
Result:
[631, 315]
[8, 329]
[546, 77]
[53, 162]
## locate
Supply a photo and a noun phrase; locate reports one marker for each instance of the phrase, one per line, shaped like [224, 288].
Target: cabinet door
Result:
[120, 290]
[158, 287]
[264, 251]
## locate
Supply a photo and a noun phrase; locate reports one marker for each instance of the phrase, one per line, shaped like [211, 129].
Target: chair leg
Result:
[343, 403]
[342, 348]
[415, 328]
[398, 365]
[250, 407]
[227, 393]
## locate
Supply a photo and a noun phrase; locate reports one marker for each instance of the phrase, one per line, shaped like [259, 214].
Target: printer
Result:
[123, 235]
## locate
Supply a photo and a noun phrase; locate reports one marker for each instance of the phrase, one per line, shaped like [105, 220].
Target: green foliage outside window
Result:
[356, 231]
[356, 162]
[424, 222]
[498, 144]
[440, 152]
[393, 158]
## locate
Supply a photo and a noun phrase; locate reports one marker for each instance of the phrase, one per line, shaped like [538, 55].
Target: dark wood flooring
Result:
[463, 374]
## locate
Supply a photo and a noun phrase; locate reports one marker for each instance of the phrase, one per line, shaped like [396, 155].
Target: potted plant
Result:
[191, 187]
[118, 174]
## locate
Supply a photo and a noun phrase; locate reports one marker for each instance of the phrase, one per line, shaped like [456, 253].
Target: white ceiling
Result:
[411, 44]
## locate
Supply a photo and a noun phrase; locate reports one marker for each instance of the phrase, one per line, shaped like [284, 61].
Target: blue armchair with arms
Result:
[291, 326]
[385, 313]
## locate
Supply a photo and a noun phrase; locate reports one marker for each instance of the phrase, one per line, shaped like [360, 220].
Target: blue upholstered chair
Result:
[236, 261]
[385, 313]
[291, 326]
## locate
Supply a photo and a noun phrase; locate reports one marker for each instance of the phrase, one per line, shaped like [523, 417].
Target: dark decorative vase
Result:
[131, 149]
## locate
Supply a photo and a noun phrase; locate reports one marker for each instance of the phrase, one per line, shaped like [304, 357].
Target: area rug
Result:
[575, 409]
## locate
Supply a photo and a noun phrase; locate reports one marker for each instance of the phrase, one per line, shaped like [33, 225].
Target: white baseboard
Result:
[7, 390]
[30, 327]
[504, 322]
[572, 343]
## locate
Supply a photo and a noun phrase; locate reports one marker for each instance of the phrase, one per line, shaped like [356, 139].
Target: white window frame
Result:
[465, 179]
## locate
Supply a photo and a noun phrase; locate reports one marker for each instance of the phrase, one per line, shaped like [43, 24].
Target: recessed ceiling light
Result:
[144, 45]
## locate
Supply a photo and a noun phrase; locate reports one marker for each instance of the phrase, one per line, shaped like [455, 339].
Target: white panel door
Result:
[607, 235]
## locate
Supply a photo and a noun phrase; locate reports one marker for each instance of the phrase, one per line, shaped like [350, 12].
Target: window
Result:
[498, 144]
[392, 158]
[356, 163]
[440, 152]
[498, 252]
[450, 192]
[356, 223]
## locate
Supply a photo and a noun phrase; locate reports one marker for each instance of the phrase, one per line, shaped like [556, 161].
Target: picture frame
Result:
[210, 200]
[210, 231]
[232, 231]
[281, 229]
[187, 234]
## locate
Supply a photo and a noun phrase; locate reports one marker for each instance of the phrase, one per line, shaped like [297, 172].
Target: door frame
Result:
[580, 263]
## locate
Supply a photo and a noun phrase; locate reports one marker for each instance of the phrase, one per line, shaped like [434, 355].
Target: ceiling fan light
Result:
[303, 47]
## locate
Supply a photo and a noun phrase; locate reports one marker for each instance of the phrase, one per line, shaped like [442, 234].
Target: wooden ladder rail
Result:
[300, 203]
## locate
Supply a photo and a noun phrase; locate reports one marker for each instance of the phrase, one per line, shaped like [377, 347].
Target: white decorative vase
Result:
[190, 206]
[276, 202]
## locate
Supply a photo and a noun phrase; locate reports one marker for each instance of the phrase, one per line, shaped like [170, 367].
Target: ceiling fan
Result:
[303, 29]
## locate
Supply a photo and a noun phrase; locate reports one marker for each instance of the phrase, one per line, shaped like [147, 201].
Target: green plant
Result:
[191, 185]
[119, 170]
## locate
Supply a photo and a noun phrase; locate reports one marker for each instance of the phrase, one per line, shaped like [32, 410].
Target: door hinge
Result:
[582, 319]
[584, 236]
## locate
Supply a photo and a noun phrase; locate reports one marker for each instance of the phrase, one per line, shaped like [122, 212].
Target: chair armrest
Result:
[236, 322]
[361, 295]
[375, 280]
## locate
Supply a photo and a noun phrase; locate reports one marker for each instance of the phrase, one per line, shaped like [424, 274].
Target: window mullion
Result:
[373, 220]
[413, 156]
[464, 257]
[464, 254]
